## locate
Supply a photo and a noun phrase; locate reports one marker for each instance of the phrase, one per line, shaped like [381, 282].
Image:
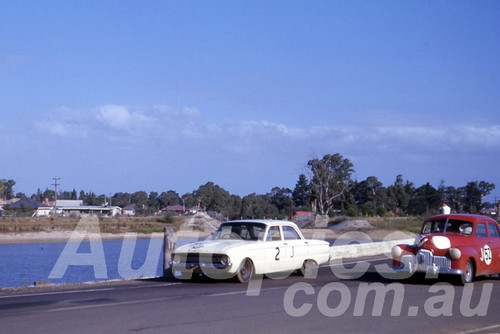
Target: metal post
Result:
[169, 244]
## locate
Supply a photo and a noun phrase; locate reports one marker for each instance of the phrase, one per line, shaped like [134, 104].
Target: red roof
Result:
[177, 207]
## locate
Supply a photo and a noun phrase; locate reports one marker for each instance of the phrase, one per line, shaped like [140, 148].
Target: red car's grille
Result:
[425, 257]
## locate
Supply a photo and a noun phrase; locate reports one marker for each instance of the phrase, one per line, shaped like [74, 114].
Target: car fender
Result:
[467, 253]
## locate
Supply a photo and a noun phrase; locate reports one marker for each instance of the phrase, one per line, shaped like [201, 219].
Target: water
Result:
[26, 263]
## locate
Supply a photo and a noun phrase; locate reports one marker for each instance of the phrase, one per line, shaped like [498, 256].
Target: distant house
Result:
[303, 218]
[69, 202]
[195, 209]
[24, 205]
[65, 209]
[174, 208]
[490, 211]
[129, 210]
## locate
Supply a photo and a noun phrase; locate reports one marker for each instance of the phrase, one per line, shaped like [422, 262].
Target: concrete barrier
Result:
[365, 249]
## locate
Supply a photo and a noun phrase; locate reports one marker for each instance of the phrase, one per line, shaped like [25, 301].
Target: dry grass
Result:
[409, 224]
[108, 225]
[158, 223]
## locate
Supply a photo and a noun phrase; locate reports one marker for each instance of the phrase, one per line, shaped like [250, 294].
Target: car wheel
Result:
[309, 269]
[468, 273]
[245, 271]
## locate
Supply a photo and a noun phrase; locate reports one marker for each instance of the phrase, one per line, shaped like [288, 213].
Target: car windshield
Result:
[448, 226]
[240, 231]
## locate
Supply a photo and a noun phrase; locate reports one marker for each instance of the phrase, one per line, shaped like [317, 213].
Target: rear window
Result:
[290, 234]
[493, 230]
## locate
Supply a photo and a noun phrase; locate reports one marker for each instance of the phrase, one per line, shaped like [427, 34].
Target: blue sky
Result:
[124, 96]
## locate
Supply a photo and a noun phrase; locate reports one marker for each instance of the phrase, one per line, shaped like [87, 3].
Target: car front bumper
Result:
[216, 271]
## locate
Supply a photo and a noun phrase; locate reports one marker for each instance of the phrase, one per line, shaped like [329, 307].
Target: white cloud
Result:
[169, 127]
[185, 145]
[116, 117]
[61, 129]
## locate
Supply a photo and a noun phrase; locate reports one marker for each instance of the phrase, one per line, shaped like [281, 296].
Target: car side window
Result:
[493, 230]
[274, 234]
[289, 233]
[481, 230]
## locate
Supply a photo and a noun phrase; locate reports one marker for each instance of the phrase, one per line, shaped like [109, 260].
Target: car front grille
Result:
[193, 258]
[425, 257]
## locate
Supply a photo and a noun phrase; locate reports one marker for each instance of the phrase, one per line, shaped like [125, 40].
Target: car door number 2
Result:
[277, 256]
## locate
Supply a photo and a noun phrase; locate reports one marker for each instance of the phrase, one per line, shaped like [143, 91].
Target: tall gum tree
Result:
[330, 179]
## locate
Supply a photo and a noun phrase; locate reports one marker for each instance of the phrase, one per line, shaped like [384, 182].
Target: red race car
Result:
[456, 244]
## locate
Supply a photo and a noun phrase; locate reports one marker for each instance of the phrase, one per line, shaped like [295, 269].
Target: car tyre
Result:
[309, 269]
[245, 271]
[468, 273]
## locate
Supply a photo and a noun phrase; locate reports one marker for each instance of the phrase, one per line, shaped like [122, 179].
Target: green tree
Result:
[49, 194]
[8, 189]
[425, 200]
[140, 200]
[213, 198]
[90, 198]
[398, 196]
[121, 199]
[331, 178]
[454, 197]
[169, 198]
[370, 196]
[234, 207]
[153, 202]
[474, 192]
[281, 198]
[301, 194]
[190, 200]
[255, 206]
[38, 196]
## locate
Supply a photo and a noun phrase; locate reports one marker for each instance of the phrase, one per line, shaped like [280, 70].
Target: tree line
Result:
[328, 189]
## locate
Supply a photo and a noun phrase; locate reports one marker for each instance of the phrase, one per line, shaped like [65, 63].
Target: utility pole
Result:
[55, 184]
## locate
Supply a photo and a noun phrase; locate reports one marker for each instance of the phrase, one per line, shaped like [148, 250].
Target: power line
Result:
[55, 184]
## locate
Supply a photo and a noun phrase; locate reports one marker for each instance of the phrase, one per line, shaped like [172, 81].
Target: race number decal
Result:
[277, 257]
[486, 255]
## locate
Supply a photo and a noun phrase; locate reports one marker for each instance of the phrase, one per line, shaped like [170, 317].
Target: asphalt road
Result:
[345, 298]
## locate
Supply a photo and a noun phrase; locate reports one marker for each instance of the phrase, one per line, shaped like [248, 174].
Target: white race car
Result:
[246, 248]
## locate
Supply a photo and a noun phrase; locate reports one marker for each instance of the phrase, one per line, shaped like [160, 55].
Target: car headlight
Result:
[221, 259]
[175, 258]
[396, 251]
[441, 242]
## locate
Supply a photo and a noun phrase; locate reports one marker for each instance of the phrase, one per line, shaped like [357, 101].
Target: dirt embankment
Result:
[14, 230]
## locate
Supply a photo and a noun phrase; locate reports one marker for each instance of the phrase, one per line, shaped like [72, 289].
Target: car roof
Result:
[262, 221]
[465, 216]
